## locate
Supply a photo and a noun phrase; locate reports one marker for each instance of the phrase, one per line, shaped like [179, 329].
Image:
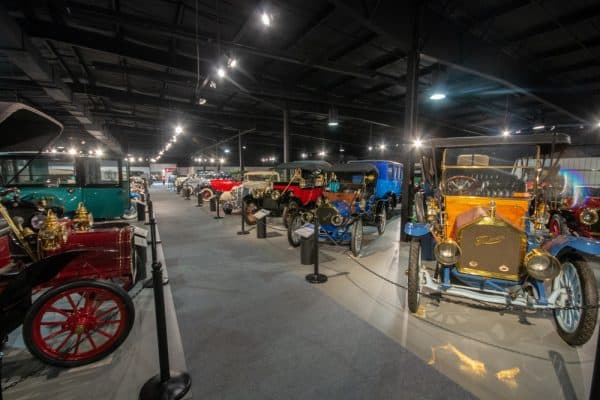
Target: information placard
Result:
[261, 213]
[306, 231]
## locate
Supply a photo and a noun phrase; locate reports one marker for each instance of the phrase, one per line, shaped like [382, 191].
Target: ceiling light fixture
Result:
[232, 63]
[226, 151]
[382, 146]
[72, 151]
[437, 96]
[202, 101]
[303, 155]
[538, 127]
[418, 143]
[333, 117]
[506, 132]
[221, 72]
[99, 152]
[266, 19]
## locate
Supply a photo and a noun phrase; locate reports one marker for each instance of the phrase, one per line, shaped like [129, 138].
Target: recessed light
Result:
[438, 96]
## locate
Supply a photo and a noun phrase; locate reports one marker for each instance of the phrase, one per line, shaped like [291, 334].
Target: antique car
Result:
[348, 202]
[574, 210]
[483, 223]
[178, 182]
[287, 198]
[389, 180]
[79, 319]
[252, 180]
[217, 184]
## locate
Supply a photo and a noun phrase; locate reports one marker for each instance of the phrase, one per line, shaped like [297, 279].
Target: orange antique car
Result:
[483, 221]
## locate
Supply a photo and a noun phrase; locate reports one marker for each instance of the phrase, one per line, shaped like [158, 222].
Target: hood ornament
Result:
[492, 210]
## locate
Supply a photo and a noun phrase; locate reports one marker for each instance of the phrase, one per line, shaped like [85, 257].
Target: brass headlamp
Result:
[589, 216]
[52, 233]
[83, 219]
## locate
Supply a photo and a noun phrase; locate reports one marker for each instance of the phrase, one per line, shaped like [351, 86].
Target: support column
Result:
[240, 154]
[286, 140]
[410, 116]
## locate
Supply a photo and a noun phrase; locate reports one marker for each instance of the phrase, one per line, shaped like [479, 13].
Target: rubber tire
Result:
[139, 265]
[130, 216]
[414, 262]
[561, 222]
[207, 190]
[291, 228]
[227, 210]
[382, 215]
[589, 316]
[354, 246]
[35, 308]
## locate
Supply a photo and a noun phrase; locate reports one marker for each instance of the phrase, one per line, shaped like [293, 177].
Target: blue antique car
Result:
[484, 227]
[389, 180]
[347, 202]
[59, 179]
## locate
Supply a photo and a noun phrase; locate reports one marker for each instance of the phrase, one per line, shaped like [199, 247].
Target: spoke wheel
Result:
[78, 323]
[289, 212]
[576, 325]
[293, 238]
[207, 194]
[558, 226]
[414, 272]
[381, 220]
[357, 237]
[251, 209]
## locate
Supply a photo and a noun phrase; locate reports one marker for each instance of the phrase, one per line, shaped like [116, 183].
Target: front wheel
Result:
[414, 279]
[576, 323]
[357, 237]
[78, 323]
[381, 220]
[207, 194]
[293, 238]
[288, 213]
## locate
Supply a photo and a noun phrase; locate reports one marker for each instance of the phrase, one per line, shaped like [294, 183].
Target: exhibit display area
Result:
[323, 200]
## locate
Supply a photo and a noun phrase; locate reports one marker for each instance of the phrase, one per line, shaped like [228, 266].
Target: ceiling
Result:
[123, 74]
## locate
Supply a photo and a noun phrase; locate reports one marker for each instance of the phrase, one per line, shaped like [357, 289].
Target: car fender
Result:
[560, 244]
[416, 229]
[47, 268]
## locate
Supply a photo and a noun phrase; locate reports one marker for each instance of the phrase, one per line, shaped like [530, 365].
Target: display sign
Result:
[306, 231]
[261, 213]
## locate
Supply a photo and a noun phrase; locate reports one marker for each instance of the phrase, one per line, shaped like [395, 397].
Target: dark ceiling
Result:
[127, 72]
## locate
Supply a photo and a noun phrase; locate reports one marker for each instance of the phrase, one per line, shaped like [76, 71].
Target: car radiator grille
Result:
[491, 251]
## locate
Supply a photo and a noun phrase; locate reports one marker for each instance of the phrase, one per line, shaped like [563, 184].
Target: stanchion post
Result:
[316, 277]
[167, 384]
[243, 231]
[218, 197]
[595, 389]
[1, 355]
[200, 201]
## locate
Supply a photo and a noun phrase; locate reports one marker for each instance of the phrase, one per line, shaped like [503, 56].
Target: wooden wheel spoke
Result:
[59, 311]
[64, 342]
[52, 323]
[89, 338]
[71, 302]
[111, 321]
[77, 343]
[100, 331]
[55, 334]
[103, 313]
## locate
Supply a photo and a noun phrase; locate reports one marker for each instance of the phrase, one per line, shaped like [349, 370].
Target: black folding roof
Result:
[310, 165]
[25, 128]
[354, 167]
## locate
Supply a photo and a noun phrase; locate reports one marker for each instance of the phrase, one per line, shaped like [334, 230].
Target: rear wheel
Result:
[293, 238]
[357, 237]
[207, 194]
[414, 279]
[576, 324]
[289, 212]
[78, 323]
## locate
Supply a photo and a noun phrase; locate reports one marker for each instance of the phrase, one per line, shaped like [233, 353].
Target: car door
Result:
[105, 187]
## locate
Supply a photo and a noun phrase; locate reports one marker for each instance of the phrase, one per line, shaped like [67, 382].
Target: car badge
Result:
[473, 263]
[504, 268]
[488, 240]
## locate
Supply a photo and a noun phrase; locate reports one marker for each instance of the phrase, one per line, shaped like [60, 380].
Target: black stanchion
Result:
[218, 216]
[261, 228]
[316, 277]
[200, 201]
[141, 209]
[168, 384]
[595, 390]
[243, 231]
[152, 222]
[1, 355]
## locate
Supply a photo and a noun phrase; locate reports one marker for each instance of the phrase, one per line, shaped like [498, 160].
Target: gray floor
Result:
[252, 328]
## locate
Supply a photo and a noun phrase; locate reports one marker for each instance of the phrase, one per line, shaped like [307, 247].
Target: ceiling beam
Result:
[446, 43]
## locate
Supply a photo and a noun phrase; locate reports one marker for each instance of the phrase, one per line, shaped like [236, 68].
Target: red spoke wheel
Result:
[78, 323]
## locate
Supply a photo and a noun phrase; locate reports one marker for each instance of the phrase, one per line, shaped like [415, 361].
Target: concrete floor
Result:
[248, 326]
[253, 328]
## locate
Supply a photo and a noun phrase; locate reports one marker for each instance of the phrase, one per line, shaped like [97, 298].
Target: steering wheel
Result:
[460, 184]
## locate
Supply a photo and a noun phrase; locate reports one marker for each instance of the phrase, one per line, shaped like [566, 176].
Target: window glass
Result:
[43, 171]
[390, 171]
[101, 172]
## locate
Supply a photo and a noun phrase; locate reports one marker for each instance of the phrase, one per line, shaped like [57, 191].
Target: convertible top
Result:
[471, 141]
[25, 128]
[354, 167]
[310, 165]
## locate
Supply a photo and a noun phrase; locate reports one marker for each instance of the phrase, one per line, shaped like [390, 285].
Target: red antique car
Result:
[218, 186]
[285, 198]
[578, 214]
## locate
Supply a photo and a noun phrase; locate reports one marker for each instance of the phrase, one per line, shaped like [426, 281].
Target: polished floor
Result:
[253, 328]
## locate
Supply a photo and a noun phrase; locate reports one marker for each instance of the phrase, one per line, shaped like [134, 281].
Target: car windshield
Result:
[501, 171]
[44, 171]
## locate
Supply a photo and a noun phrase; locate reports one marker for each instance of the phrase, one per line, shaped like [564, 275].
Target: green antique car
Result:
[64, 180]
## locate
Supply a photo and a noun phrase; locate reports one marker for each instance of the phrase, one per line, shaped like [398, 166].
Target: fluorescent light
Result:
[178, 130]
[212, 160]
[99, 152]
[221, 72]
[168, 146]
[418, 143]
[232, 63]
[437, 96]
[538, 127]
[382, 146]
[333, 119]
[265, 19]
[72, 150]
[140, 159]
[243, 147]
[342, 150]
[53, 150]
[303, 155]
[506, 132]
[226, 150]
[152, 160]
[333, 123]
[321, 153]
